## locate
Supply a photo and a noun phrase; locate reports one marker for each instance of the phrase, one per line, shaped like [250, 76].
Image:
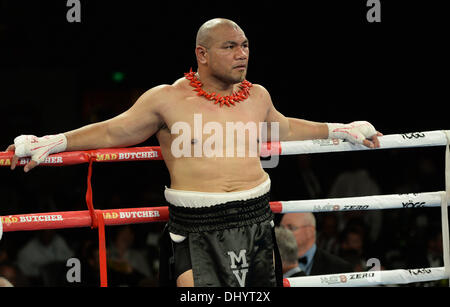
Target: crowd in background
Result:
[400, 238]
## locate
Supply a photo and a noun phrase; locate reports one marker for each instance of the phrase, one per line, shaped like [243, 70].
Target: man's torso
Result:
[194, 157]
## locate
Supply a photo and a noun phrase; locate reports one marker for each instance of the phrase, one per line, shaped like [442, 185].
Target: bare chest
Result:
[198, 113]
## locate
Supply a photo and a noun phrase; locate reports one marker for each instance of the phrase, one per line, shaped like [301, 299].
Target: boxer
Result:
[220, 229]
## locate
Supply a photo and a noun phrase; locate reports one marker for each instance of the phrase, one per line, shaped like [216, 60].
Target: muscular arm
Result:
[129, 128]
[293, 129]
[133, 126]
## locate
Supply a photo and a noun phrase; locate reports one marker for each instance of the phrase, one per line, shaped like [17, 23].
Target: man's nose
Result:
[241, 53]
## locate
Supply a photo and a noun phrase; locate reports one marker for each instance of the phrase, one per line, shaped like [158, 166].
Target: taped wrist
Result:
[39, 148]
[335, 130]
[355, 132]
[348, 132]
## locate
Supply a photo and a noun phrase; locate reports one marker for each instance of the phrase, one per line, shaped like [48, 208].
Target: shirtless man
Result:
[220, 224]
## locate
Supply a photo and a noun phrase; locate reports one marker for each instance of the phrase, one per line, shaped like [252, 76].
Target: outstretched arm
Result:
[132, 127]
[295, 129]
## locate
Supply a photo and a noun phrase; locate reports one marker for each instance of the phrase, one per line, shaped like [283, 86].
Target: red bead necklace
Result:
[239, 96]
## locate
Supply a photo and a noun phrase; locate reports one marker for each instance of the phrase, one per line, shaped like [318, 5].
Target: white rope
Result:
[370, 278]
[419, 200]
[406, 140]
[378, 202]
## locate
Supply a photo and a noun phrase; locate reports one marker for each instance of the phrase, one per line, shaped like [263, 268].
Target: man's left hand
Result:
[360, 132]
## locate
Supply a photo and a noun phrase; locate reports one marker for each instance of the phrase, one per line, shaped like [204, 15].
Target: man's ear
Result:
[201, 53]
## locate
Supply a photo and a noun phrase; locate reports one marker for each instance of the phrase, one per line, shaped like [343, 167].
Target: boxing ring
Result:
[98, 219]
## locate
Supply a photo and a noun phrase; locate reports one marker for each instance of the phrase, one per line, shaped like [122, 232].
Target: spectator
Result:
[357, 182]
[126, 263]
[351, 248]
[122, 254]
[46, 247]
[312, 260]
[287, 246]
[120, 274]
[328, 236]
[90, 264]
[12, 274]
[427, 254]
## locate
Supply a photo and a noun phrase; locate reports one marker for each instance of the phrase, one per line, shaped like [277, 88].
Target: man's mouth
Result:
[242, 66]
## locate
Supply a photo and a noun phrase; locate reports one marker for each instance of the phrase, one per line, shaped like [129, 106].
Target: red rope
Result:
[102, 249]
[98, 222]
[75, 219]
[89, 198]
[79, 219]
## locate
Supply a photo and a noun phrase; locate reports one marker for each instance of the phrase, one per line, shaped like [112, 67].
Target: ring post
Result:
[444, 209]
[1, 228]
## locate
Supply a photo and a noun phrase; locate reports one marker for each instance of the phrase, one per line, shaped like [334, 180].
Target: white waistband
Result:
[194, 199]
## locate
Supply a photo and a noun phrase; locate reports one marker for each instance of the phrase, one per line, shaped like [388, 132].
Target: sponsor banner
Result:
[54, 220]
[127, 154]
[63, 158]
[136, 215]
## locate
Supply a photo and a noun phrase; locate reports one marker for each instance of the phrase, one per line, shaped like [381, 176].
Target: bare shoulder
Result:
[261, 91]
[261, 94]
[177, 88]
[158, 96]
[181, 83]
[159, 92]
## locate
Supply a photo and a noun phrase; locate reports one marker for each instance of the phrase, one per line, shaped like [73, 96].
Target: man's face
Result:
[228, 55]
[302, 231]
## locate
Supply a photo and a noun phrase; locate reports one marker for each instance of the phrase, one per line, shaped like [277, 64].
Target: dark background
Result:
[320, 60]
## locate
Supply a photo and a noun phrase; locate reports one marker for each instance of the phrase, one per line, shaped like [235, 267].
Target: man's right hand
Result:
[36, 148]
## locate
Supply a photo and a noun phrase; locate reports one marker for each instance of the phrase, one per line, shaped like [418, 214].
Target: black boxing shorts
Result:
[227, 239]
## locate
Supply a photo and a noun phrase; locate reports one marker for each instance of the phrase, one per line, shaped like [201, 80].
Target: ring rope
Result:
[367, 279]
[406, 140]
[74, 219]
[95, 218]
[362, 203]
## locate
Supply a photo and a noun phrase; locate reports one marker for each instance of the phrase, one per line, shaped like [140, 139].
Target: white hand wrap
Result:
[355, 132]
[39, 148]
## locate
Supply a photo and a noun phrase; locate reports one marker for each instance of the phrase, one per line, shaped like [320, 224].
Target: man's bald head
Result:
[205, 34]
[222, 52]
[303, 226]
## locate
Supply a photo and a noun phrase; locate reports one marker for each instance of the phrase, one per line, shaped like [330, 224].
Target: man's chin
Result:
[239, 77]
